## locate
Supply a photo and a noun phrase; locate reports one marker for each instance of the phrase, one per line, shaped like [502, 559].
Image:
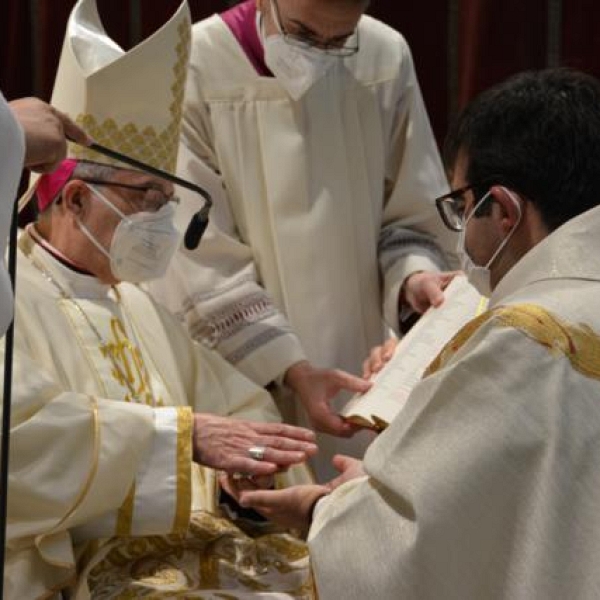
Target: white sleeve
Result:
[12, 152]
[215, 289]
[413, 237]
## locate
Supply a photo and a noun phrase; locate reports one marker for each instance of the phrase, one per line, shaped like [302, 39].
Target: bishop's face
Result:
[319, 23]
[94, 209]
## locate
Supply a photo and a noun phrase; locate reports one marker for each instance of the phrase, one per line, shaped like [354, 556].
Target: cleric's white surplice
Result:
[325, 205]
[104, 387]
[487, 485]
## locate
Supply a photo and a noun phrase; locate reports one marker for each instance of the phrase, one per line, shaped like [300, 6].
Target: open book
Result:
[415, 351]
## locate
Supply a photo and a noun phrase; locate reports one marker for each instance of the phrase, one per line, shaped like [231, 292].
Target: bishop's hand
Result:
[238, 446]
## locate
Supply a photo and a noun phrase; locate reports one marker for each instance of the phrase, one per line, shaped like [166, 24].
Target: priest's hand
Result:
[291, 507]
[378, 357]
[224, 443]
[424, 289]
[234, 484]
[316, 388]
[348, 468]
[46, 130]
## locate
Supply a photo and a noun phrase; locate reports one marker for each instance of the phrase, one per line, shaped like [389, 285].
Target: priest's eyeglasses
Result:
[342, 46]
[153, 200]
[451, 207]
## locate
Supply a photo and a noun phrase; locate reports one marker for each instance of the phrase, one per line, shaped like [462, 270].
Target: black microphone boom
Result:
[138, 164]
[196, 228]
[199, 221]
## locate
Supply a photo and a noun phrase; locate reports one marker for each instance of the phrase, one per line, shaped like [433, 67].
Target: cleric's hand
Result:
[46, 130]
[348, 468]
[223, 443]
[290, 507]
[424, 289]
[316, 388]
[378, 357]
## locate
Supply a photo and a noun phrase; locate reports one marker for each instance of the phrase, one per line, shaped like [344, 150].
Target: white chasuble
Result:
[322, 207]
[487, 485]
[101, 475]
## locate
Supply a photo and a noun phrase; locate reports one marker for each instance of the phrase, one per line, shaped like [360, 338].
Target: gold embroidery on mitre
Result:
[158, 149]
[580, 344]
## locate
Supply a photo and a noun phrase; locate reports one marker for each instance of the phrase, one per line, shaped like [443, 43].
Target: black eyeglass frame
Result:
[333, 50]
[450, 199]
[130, 186]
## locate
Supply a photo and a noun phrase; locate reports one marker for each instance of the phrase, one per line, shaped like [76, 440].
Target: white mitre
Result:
[131, 101]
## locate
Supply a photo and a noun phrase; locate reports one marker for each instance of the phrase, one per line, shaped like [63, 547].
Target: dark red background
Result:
[460, 46]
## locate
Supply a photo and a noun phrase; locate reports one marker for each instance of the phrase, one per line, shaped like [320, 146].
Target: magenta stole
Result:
[241, 20]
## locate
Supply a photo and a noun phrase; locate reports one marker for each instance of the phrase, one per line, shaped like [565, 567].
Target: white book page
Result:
[415, 351]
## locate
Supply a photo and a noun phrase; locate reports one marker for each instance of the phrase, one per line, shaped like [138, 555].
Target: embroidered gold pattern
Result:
[215, 559]
[457, 342]
[156, 148]
[578, 343]
[129, 369]
[125, 514]
[184, 470]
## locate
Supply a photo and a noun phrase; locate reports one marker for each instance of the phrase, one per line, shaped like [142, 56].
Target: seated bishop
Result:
[120, 421]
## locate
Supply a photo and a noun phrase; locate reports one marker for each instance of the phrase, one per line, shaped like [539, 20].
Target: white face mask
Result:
[143, 243]
[480, 276]
[296, 68]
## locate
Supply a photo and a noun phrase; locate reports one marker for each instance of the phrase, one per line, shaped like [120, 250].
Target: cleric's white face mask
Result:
[297, 69]
[143, 243]
[479, 276]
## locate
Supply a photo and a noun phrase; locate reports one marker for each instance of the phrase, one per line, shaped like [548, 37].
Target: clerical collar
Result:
[75, 282]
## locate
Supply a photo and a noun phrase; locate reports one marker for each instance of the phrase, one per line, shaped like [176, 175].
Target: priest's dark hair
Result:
[537, 133]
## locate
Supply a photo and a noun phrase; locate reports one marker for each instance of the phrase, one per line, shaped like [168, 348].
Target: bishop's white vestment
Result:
[322, 206]
[487, 485]
[101, 476]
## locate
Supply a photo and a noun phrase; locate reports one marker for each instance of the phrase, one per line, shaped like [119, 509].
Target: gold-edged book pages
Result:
[393, 384]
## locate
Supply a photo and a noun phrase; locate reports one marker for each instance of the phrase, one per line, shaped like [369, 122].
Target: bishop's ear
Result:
[509, 207]
[76, 198]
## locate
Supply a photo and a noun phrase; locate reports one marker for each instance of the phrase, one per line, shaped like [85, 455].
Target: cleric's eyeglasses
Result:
[451, 207]
[342, 46]
[152, 201]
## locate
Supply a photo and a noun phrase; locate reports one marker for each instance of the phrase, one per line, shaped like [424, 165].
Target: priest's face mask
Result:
[131, 225]
[486, 221]
[303, 39]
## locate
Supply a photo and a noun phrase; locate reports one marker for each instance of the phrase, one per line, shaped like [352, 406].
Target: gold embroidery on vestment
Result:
[125, 514]
[184, 470]
[129, 369]
[579, 343]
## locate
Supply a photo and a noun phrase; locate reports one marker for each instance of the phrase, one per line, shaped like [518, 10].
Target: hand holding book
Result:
[394, 382]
